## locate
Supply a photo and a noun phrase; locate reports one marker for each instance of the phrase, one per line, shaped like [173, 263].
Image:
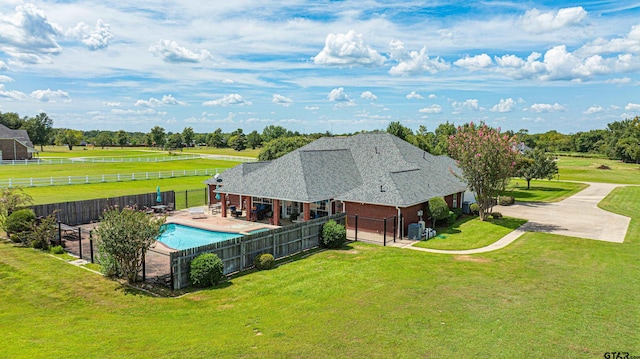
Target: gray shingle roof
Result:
[376, 168]
[21, 135]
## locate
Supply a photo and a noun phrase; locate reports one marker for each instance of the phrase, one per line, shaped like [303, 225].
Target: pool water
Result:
[179, 237]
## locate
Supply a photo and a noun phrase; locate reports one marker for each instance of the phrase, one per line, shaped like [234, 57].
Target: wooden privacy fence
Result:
[81, 212]
[237, 254]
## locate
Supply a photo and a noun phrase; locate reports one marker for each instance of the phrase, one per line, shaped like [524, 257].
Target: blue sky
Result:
[315, 66]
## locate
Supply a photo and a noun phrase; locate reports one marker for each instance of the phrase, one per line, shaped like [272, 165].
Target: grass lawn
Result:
[586, 169]
[542, 190]
[470, 233]
[625, 201]
[80, 151]
[543, 296]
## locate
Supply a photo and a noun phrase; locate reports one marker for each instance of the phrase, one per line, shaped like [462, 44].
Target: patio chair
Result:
[170, 208]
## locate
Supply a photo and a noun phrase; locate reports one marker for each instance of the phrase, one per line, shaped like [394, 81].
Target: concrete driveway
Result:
[576, 216]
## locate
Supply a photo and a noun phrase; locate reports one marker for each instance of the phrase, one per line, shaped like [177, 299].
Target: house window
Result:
[319, 209]
[455, 200]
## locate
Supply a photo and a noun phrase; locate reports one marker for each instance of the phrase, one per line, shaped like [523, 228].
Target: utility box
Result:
[466, 207]
[413, 231]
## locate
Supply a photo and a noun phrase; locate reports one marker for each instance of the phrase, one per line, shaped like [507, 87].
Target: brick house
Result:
[372, 175]
[15, 144]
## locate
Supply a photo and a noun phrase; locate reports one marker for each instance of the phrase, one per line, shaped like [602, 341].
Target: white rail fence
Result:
[142, 159]
[101, 178]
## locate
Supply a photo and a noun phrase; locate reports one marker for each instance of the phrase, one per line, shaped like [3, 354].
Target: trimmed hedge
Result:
[333, 235]
[506, 200]
[475, 210]
[206, 270]
[264, 261]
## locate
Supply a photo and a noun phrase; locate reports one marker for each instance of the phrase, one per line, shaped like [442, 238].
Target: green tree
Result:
[175, 141]
[124, 236]
[122, 138]
[487, 159]
[280, 147]
[215, 139]
[158, 136]
[397, 129]
[254, 139]
[188, 136]
[12, 120]
[104, 138]
[39, 129]
[536, 164]
[11, 200]
[68, 137]
[438, 209]
[273, 132]
[238, 142]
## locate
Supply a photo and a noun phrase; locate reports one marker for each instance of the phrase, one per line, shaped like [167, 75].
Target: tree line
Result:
[620, 140]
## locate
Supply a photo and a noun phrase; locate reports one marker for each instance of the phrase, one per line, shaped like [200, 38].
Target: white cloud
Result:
[594, 109]
[414, 62]
[475, 62]
[112, 104]
[148, 111]
[431, 109]
[368, 95]
[95, 38]
[545, 107]
[11, 94]
[51, 96]
[347, 50]
[536, 22]
[505, 105]
[171, 52]
[28, 36]
[281, 100]
[629, 43]
[227, 100]
[632, 107]
[312, 108]
[166, 100]
[469, 104]
[619, 81]
[3, 65]
[4, 78]
[227, 81]
[432, 95]
[338, 95]
[414, 96]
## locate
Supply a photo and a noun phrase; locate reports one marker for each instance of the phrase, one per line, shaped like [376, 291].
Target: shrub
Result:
[474, 209]
[438, 209]
[496, 215]
[452, 217]
[264, 261]
[506, 200]
[206, 270]
[333, 235]
[57, 250]
[19, 221]
[457, 212]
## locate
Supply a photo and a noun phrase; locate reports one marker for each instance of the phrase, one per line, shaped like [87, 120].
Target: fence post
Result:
[59, 233]
[171, 269]
[91, 245]
[395, 227]
[186, 198]
[80, 241]
[144, 267]
[356, 227]
[384, 235]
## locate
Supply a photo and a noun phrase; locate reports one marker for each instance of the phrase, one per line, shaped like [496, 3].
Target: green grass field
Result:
[541, 296]
[80, 151]
[586, 169]
[470, 233]
[542, 190]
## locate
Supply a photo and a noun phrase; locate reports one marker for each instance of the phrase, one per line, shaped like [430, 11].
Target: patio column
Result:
[223, 205]
[249, 214]
[306, 210]
[276, 211]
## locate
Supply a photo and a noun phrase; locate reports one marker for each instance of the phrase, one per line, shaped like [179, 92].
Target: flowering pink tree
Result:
[487, 160]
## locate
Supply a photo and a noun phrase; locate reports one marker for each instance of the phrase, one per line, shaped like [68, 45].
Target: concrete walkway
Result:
[576, 216]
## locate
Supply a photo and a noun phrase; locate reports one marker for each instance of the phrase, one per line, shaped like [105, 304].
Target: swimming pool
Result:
[178, 236]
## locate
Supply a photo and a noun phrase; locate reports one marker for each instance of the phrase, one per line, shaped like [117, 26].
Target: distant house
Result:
[372, 175]
[15, 144]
